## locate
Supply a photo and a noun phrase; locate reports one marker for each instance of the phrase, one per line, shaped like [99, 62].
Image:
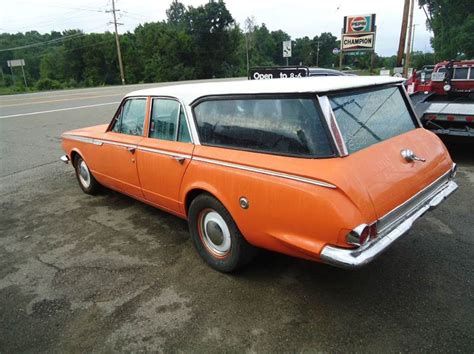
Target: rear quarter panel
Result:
[284, 215]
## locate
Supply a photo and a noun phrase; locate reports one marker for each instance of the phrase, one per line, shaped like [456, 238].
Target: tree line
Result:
[192, 43]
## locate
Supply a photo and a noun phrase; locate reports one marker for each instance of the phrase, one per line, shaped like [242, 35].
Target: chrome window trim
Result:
[333, 126]
[266, 172]
[410, 105]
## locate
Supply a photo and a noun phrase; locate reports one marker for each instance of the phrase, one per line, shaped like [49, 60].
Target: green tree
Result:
[452, 23]
[216, 39]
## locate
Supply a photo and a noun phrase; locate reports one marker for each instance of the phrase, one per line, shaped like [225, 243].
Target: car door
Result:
[118, 145]
[164, 154]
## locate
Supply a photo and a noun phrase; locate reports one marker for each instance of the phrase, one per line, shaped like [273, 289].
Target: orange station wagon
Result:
[330, 169]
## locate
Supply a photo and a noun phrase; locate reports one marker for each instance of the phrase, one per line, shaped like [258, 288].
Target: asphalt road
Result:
[107, 273]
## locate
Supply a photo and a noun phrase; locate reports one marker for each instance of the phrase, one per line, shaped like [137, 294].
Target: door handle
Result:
[131, 149]
[180, 159]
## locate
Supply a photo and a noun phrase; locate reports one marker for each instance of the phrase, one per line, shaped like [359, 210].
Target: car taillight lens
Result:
[359, 236]
[373, 230]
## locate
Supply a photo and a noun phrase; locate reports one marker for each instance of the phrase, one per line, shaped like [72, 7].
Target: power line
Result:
[85, 46]
[51, 41]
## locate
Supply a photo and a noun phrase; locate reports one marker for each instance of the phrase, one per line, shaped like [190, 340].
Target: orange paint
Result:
[285, 215]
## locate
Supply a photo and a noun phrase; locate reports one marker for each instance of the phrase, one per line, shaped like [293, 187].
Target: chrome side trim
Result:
[110, 142]
[82, 139]
[393, 216]
[99, 142]
[266, 172]
[356, 258]
[333, 126]
[163, 152]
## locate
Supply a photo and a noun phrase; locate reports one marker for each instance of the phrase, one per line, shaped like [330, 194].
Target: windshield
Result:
[368, 117]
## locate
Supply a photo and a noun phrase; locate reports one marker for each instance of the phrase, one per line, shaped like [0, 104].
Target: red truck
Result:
[444, 97]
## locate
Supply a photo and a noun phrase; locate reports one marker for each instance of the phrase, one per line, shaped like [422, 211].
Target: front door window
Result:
[131, 117]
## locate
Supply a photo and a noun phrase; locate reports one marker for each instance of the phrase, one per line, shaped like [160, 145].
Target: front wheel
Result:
[216, 236]
[86, 180]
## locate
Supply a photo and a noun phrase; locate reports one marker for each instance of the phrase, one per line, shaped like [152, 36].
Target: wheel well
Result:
[192, 194]
[73, 158]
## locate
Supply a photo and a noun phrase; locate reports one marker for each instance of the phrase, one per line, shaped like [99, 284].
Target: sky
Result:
[298, 18]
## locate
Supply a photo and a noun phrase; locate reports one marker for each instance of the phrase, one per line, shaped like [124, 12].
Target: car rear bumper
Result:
[356, 258]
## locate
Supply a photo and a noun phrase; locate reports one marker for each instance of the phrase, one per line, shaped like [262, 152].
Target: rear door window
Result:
[284, 126]
[368, 117]
[168, 121]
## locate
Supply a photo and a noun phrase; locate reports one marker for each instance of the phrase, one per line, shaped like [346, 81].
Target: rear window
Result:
[368, 117]
[284, 126]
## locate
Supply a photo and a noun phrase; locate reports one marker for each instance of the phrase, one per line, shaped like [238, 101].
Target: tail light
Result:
[359, 236]
[362, 234]
[454, 169]
[373, 231]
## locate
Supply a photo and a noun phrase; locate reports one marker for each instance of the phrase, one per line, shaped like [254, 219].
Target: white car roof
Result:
[188, 92]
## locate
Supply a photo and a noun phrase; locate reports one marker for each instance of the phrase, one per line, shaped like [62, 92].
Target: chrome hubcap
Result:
[84, 174]
[215, 233]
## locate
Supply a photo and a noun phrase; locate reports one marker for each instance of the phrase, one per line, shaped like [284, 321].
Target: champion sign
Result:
[358, 33]
[358, 41]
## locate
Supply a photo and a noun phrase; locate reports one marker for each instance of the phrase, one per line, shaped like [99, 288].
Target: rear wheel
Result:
[86, 180]
[216, 236]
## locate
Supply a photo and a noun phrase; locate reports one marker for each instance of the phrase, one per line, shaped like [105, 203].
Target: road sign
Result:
[365, 41]
[398, 70]
[15, 62]
[286, 49]
[264, 73]
[359, 24]
[336, 51]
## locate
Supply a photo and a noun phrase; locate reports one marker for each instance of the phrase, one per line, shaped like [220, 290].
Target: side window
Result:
[168, 121]
[471, 73]
[285, 126]
[183, 131]
[131, 117]
[460, 73]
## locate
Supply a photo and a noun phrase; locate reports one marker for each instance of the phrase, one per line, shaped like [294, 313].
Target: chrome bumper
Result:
[64, 159]
[356, 258]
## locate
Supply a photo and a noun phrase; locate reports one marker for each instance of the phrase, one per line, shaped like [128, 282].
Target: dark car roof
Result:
[325, 72]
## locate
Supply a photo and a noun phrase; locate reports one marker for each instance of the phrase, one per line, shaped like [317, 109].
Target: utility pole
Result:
[403, 33]
[317, 55]
[413, 38]
[410, 27]
[117, 42]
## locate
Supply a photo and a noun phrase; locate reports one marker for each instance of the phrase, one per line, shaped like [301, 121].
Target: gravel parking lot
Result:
[107, 273]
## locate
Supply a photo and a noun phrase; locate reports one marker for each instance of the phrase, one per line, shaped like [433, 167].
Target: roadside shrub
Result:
[48, 84]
